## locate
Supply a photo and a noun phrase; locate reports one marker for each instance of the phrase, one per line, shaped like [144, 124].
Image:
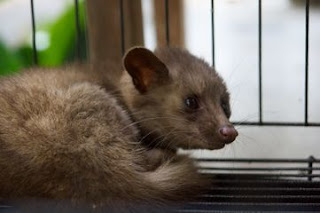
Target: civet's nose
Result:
[227, 133]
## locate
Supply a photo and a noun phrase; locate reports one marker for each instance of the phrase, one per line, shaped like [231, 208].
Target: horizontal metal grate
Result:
[259, 185]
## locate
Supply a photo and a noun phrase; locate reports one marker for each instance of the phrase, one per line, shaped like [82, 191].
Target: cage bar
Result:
[166, 5]
[307, 64]
[283, 124]
[212, 33]
[78, 30]
[235, 190]
[260, 59]
[34, 45]
[259, 160]
[122, 27]
[311, 168]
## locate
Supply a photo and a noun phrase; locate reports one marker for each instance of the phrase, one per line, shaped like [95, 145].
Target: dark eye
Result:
[191, 102]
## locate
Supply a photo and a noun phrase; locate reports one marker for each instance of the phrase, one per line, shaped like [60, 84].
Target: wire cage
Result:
[243, 185]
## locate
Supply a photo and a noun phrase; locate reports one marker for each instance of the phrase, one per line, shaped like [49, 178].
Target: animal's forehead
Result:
[201, 84]
[191, 73]
[175, 57]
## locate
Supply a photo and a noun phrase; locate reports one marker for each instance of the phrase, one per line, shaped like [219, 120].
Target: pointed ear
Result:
[145, 68]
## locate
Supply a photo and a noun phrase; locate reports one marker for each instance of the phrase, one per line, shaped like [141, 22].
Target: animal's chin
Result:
[204, 144]
[213, 145]
[198, 142]
[216, 146]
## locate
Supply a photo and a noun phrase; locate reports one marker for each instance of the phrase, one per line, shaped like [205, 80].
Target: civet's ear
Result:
[146, 69]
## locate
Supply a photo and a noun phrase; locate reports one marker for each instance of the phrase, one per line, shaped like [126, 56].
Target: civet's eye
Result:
[191, 102]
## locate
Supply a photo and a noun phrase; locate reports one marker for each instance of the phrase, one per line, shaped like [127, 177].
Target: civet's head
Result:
[179, 100]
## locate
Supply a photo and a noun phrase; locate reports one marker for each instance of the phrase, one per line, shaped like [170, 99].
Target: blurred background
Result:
[236, 56]
[55, 33]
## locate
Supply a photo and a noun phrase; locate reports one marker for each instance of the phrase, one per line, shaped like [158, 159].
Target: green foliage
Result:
[9, 62]
[62, 40]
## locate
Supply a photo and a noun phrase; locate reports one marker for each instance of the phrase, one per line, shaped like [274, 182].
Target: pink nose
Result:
[228, 133]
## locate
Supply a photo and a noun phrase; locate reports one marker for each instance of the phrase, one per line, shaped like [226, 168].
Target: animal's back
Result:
[59, 132]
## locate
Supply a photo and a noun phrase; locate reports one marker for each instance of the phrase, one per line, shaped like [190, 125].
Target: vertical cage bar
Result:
[307, 65]
[260, 60]
[310, 167]
[122, 27]
[34, 45]
[166, 5]
[212, 33]
[78, 30]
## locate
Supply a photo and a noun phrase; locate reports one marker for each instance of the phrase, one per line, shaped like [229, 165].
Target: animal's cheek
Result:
[208, 133]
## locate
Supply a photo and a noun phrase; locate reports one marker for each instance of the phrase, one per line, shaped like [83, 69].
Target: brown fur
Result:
[69, 134]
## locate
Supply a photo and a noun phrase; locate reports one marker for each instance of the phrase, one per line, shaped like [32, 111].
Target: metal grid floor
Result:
[259, 185]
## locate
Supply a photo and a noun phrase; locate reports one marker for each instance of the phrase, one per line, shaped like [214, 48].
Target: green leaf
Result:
[9, 62]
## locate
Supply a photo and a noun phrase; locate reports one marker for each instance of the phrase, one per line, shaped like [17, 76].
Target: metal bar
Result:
[254, 204]
[206, 211]
[122, 27]
[78, 30]
[226, 211]
[261, 196]
[256, 160]
[287, 182]
[307, 64]
[260, 61]
[309, 169]
[166, 4]
[212, 33]
[310, 164]
[34, 45]
[274, 124]
[283, 191]
[263, 175]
